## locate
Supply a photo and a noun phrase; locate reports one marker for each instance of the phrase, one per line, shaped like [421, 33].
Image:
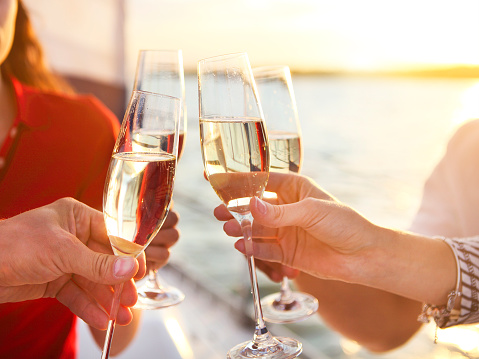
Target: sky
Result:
[311, 35]
[308, 35]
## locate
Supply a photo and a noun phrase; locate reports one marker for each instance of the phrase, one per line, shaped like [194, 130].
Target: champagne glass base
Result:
[282, 348]
[157, 298]
[299, 307]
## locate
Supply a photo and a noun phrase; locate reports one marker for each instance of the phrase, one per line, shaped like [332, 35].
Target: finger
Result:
[124, 316]
[154, 266]
[82, 305]
[97, 267]
[103, 293]
[171, 220]
[79, 259]
[221, 213]
[21, 292]
[233, 229]
[89, 223]
[276, 271]
[106, 248]
[158, 255]
[289, 272]
[292, 187]
[271, 269]
[302, 214]
[268, 251]
[141, 266]
[102, 297]
[165, 238]
[129, 294]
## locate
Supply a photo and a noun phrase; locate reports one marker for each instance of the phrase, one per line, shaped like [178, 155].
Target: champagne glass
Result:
[236, 161]
[276, 94]
[161, 71]
[139, 184]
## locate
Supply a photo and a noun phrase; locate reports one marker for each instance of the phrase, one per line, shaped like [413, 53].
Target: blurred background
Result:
[380, 87]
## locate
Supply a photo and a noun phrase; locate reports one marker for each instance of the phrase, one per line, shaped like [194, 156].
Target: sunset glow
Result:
[314, 35]
[307, 35]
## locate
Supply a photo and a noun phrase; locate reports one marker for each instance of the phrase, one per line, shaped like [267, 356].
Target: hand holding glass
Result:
[276, 94]
[139, 184]
[236, 161]
[161, 71]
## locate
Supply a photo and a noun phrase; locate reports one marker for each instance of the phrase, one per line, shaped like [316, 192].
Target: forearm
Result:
[413, 266]
[378, 320]
[123, 336]
[388, 283]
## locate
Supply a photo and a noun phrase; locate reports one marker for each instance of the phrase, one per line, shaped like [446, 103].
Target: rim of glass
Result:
[155, 94]
[224, 57]
[162, 50]
[271, 70]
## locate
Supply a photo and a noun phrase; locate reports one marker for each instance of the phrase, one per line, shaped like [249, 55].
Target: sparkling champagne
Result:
[286, 151]
[236, 159]
[137, 198]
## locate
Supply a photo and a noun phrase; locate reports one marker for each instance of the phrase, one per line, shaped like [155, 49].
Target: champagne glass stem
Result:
[111, 323]
[285, 292]
[152, 276]
[154, 282]
[260, 327]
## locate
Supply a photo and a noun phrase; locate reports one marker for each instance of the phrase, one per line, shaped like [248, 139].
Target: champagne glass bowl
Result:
[276, 93]
[140, 179]
[161, 71]
[236, 161]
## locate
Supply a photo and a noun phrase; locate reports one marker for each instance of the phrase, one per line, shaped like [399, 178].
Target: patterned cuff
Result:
[444, 314]
[466, 251]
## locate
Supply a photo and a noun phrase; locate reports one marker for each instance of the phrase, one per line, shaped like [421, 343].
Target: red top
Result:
[58, 146]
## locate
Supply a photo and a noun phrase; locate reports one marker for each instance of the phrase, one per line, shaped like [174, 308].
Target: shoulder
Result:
[72, 110]
[464, 143]
[98, 114]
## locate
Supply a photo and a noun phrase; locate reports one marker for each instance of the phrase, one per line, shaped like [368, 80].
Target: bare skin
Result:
[158, 251]
[62, 251]
[8, 11]
[370, 281]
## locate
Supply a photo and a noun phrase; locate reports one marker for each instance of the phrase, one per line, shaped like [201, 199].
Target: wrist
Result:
[365, 266]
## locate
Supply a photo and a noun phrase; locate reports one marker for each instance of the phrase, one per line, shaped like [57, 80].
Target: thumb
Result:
[299, 214]
[102, 268]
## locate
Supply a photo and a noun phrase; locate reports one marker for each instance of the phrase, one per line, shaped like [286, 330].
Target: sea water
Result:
[370, 141]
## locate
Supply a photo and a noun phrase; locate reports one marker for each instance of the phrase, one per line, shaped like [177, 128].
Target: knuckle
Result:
[278, 213]
[100, 266]
[158, 254]
[164, 254]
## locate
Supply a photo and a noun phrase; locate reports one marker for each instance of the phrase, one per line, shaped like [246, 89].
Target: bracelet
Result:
[442, 314]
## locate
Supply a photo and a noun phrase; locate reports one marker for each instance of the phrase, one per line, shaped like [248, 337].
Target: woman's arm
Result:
[329, 240]
[361, 273]
[378, 320]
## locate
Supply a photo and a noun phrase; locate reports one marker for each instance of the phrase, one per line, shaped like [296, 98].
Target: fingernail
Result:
[123, 266]
[260, 205]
